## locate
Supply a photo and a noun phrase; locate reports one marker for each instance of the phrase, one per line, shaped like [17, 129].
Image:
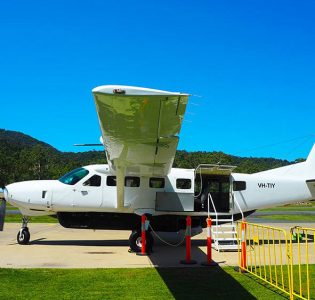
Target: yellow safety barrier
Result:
[266, 254]
[284, 260]
[302, 253]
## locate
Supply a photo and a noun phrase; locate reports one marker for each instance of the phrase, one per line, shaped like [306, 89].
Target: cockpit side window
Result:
[95, 180]
[74, 176]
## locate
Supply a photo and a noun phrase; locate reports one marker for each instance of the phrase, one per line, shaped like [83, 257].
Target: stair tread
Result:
[225, 239]
[226, 232]
[227, 248]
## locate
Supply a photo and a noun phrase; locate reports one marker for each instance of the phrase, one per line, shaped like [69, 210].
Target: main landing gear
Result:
[135, 242]
[23, 236]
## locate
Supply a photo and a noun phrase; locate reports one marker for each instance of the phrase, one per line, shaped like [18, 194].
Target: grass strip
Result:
[39, 219]
[289, 208]
[145, 283]
[304, 218]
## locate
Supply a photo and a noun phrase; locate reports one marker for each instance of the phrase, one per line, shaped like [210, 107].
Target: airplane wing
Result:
[139, 128]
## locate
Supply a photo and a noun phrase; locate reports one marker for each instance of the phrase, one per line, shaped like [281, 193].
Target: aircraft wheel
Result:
[135, 242]
[23, 236]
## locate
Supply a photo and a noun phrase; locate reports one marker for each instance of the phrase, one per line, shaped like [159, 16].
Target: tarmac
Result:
[53, 246]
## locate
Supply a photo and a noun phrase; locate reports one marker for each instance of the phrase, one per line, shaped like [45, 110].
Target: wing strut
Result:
[120, 180]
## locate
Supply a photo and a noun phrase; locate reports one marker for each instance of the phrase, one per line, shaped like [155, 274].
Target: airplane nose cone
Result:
[6, 194]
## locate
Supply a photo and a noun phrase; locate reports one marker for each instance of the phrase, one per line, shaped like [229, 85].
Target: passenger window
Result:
[132, 181]
[183, 184]
[239, 185]
[157, 183]
[111, 181]
[95, 180]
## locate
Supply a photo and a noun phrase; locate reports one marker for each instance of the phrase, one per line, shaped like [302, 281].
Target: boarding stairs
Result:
[224, 231]
[224, 236]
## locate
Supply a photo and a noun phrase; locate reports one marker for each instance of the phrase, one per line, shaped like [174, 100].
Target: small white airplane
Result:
[139, 132]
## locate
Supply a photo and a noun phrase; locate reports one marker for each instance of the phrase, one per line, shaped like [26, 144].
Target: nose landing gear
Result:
[23, 236]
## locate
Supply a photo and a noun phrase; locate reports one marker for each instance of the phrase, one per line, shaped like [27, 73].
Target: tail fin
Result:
[311, 158]
[303, 170]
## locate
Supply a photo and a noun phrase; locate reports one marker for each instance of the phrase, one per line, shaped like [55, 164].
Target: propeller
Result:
[3, 204]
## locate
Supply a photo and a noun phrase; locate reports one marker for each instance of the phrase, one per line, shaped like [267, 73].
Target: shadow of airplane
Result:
[100, 243]
[184, 282]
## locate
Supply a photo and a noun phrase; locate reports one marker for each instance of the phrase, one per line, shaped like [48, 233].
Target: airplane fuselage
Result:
[87, 197]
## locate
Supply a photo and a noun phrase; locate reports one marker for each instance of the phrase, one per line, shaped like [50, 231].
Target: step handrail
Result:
[239, 207]
[215, 211]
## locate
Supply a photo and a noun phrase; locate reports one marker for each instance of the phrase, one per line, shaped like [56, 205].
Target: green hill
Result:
[25, 158]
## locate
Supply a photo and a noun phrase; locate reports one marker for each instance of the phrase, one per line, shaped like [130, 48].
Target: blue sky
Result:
[251, 63]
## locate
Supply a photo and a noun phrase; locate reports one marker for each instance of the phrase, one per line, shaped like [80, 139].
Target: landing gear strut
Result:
[23, 236]
[135, 241]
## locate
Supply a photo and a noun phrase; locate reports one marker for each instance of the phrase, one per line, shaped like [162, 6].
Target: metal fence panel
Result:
[266, 254]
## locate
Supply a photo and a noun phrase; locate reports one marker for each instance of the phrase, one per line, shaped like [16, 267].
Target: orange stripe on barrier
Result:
[143, 237]
[209, 261]
[188, 239]
[188, 260]
[243, 251]
[209, 240]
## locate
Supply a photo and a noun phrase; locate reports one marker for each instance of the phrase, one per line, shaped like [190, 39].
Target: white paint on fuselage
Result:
[259, 194]
[60, 197]
[265, 189]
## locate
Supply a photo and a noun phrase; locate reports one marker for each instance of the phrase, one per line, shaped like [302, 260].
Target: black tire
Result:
[135, 241]
[23, 236]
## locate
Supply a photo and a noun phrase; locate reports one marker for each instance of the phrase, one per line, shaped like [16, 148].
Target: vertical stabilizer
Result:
[311, 158]
[303, 170]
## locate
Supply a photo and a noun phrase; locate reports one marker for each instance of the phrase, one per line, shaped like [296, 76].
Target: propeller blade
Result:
[3, 205]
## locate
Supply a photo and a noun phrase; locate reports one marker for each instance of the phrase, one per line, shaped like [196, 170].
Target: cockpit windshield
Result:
[74, 176]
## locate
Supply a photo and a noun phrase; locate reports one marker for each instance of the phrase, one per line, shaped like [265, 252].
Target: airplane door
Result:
[47, 195]
[89, 193]
[219, 188]
[62, 198]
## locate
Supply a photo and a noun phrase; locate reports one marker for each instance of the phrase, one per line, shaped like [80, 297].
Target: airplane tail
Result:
[303, 170]
[310, 161]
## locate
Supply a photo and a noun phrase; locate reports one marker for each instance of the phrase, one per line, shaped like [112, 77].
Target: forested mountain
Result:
[24, 158]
